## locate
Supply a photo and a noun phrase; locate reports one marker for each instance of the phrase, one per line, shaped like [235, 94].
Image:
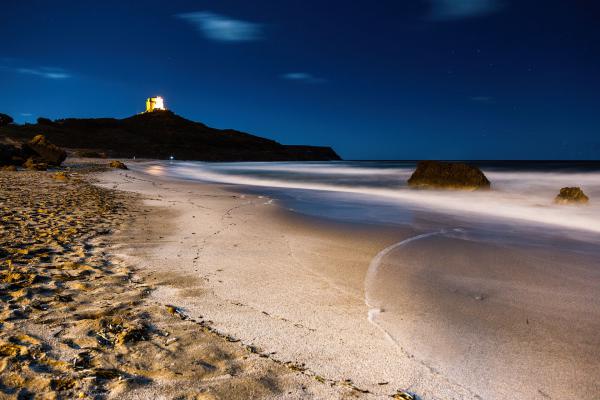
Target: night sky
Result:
[400, 79]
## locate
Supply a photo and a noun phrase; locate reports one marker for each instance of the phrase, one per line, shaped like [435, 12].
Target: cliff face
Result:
[162, 134]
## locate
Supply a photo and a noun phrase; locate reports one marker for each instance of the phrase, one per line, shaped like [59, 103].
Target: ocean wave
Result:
[521, 196]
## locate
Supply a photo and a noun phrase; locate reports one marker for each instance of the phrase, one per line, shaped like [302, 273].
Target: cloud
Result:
[446, 10]
[482, 99]
[302, 77]
[221, 28]
[45, 72]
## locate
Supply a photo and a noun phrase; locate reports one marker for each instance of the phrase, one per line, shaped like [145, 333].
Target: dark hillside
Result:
[161, 134]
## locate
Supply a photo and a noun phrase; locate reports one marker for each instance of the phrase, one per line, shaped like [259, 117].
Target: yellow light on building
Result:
[155, 103]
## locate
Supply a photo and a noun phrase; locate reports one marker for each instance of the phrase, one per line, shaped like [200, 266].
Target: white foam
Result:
[374, 266]
[526, 196]
[330, 168]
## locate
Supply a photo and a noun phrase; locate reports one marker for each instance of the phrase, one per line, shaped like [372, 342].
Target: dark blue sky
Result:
[410, 79]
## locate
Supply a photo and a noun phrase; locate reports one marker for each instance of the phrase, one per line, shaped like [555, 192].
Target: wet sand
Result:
[287, 285]
[502, 320]
[294, 288]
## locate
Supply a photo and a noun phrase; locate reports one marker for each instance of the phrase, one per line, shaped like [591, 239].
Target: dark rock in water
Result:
[35, 164]
[571, 195]
[117, 164]
[445, 175]
[48, 152]
[5, 119]
[162, 134]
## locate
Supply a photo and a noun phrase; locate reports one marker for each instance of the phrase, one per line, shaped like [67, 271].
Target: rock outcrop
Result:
[117, 164]
[48, 153]
[447, 175]
[11, 155]
[571, 195]
[35, 164]
[37, 154]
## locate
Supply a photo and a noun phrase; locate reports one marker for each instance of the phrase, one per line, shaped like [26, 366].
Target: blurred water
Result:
[376, 192]
[504, 320]
[497, 290]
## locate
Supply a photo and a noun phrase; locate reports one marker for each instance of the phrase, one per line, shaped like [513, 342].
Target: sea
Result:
[376, 192]
[499, 290]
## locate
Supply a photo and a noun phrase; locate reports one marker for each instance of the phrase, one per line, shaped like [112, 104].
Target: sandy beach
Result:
[294, 288]
[77, 322]
[290, 286]
[121, 284]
